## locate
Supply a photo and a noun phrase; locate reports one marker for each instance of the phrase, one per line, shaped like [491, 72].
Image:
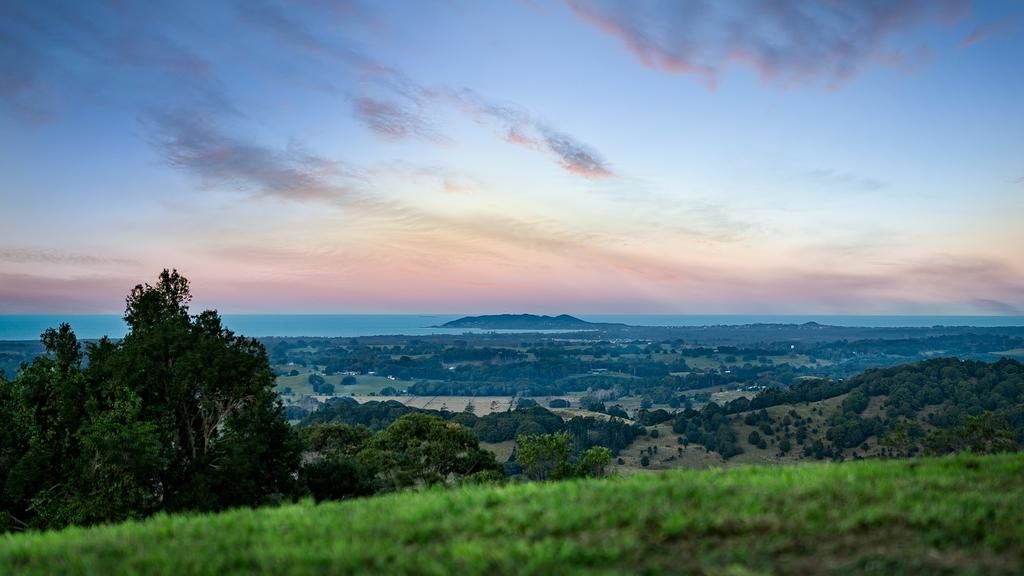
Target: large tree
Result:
[210, 392]
[178, 415]
[419, 450]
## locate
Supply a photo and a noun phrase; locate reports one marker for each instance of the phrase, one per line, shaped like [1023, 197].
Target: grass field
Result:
[365, 384]
[951, 515]
[482, 405]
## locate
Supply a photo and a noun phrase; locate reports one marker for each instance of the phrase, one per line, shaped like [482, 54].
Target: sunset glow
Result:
[550, 157]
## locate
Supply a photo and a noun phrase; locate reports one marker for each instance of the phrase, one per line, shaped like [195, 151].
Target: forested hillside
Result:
[935, 407]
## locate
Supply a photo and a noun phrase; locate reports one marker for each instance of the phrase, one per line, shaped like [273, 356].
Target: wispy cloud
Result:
[785, 43]
[193, 143]
[953, 270]
[522, 129]
[575, 156]
[391, 120]
[987, 30]
[943, 284]
[32, 293]
[433, 177]
[998, 307]
[294, 27]
[36, 39]
[48, 256]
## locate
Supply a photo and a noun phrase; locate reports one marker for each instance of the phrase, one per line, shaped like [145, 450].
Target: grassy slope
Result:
[928, 516]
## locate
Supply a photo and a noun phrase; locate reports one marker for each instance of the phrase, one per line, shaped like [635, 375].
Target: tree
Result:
[593, 462]
[755, 439]
[210, 393]
[785, 446]
[898, 439]
[87, 456]
[419, 449]
[545, 456]
[591, 403]
[986, 433]
[179, 415]
[333, 470]
[14, 442]
[617, 411]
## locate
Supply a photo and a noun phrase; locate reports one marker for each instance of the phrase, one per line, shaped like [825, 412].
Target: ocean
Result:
[90, 326]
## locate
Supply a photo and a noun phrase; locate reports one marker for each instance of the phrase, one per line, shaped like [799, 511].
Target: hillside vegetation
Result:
[957, 514]
[935, 406]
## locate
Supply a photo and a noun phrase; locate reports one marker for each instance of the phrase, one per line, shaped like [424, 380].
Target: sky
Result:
[744, 157]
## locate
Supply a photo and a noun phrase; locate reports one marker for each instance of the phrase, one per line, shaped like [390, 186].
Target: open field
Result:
[482, 405]
[365, 385]
[949, 515]
[670, 453]
[502, 450]
[725, 396]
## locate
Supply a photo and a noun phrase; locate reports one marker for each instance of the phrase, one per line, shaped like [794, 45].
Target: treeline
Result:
[960, 344]
[808, 390]
[613, 433]
[417, 449]
[662, 388]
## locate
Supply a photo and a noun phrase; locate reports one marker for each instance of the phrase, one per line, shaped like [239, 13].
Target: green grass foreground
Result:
[958, 515]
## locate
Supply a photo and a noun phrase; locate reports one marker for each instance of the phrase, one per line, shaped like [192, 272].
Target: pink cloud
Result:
[515, 136]
[642, 47]
[785, 43]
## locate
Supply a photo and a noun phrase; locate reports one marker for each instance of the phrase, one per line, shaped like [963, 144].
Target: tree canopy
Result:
[178, 415]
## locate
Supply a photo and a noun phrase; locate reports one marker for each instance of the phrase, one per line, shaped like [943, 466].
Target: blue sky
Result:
[705, 157]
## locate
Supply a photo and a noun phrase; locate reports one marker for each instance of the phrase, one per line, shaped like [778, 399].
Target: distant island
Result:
[525, 322]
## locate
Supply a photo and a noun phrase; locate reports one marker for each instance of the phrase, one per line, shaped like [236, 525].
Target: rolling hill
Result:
[940, 515]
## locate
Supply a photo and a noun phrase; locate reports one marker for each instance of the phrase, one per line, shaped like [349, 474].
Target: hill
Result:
[525, 322]
[936, 406]
[945, 515]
